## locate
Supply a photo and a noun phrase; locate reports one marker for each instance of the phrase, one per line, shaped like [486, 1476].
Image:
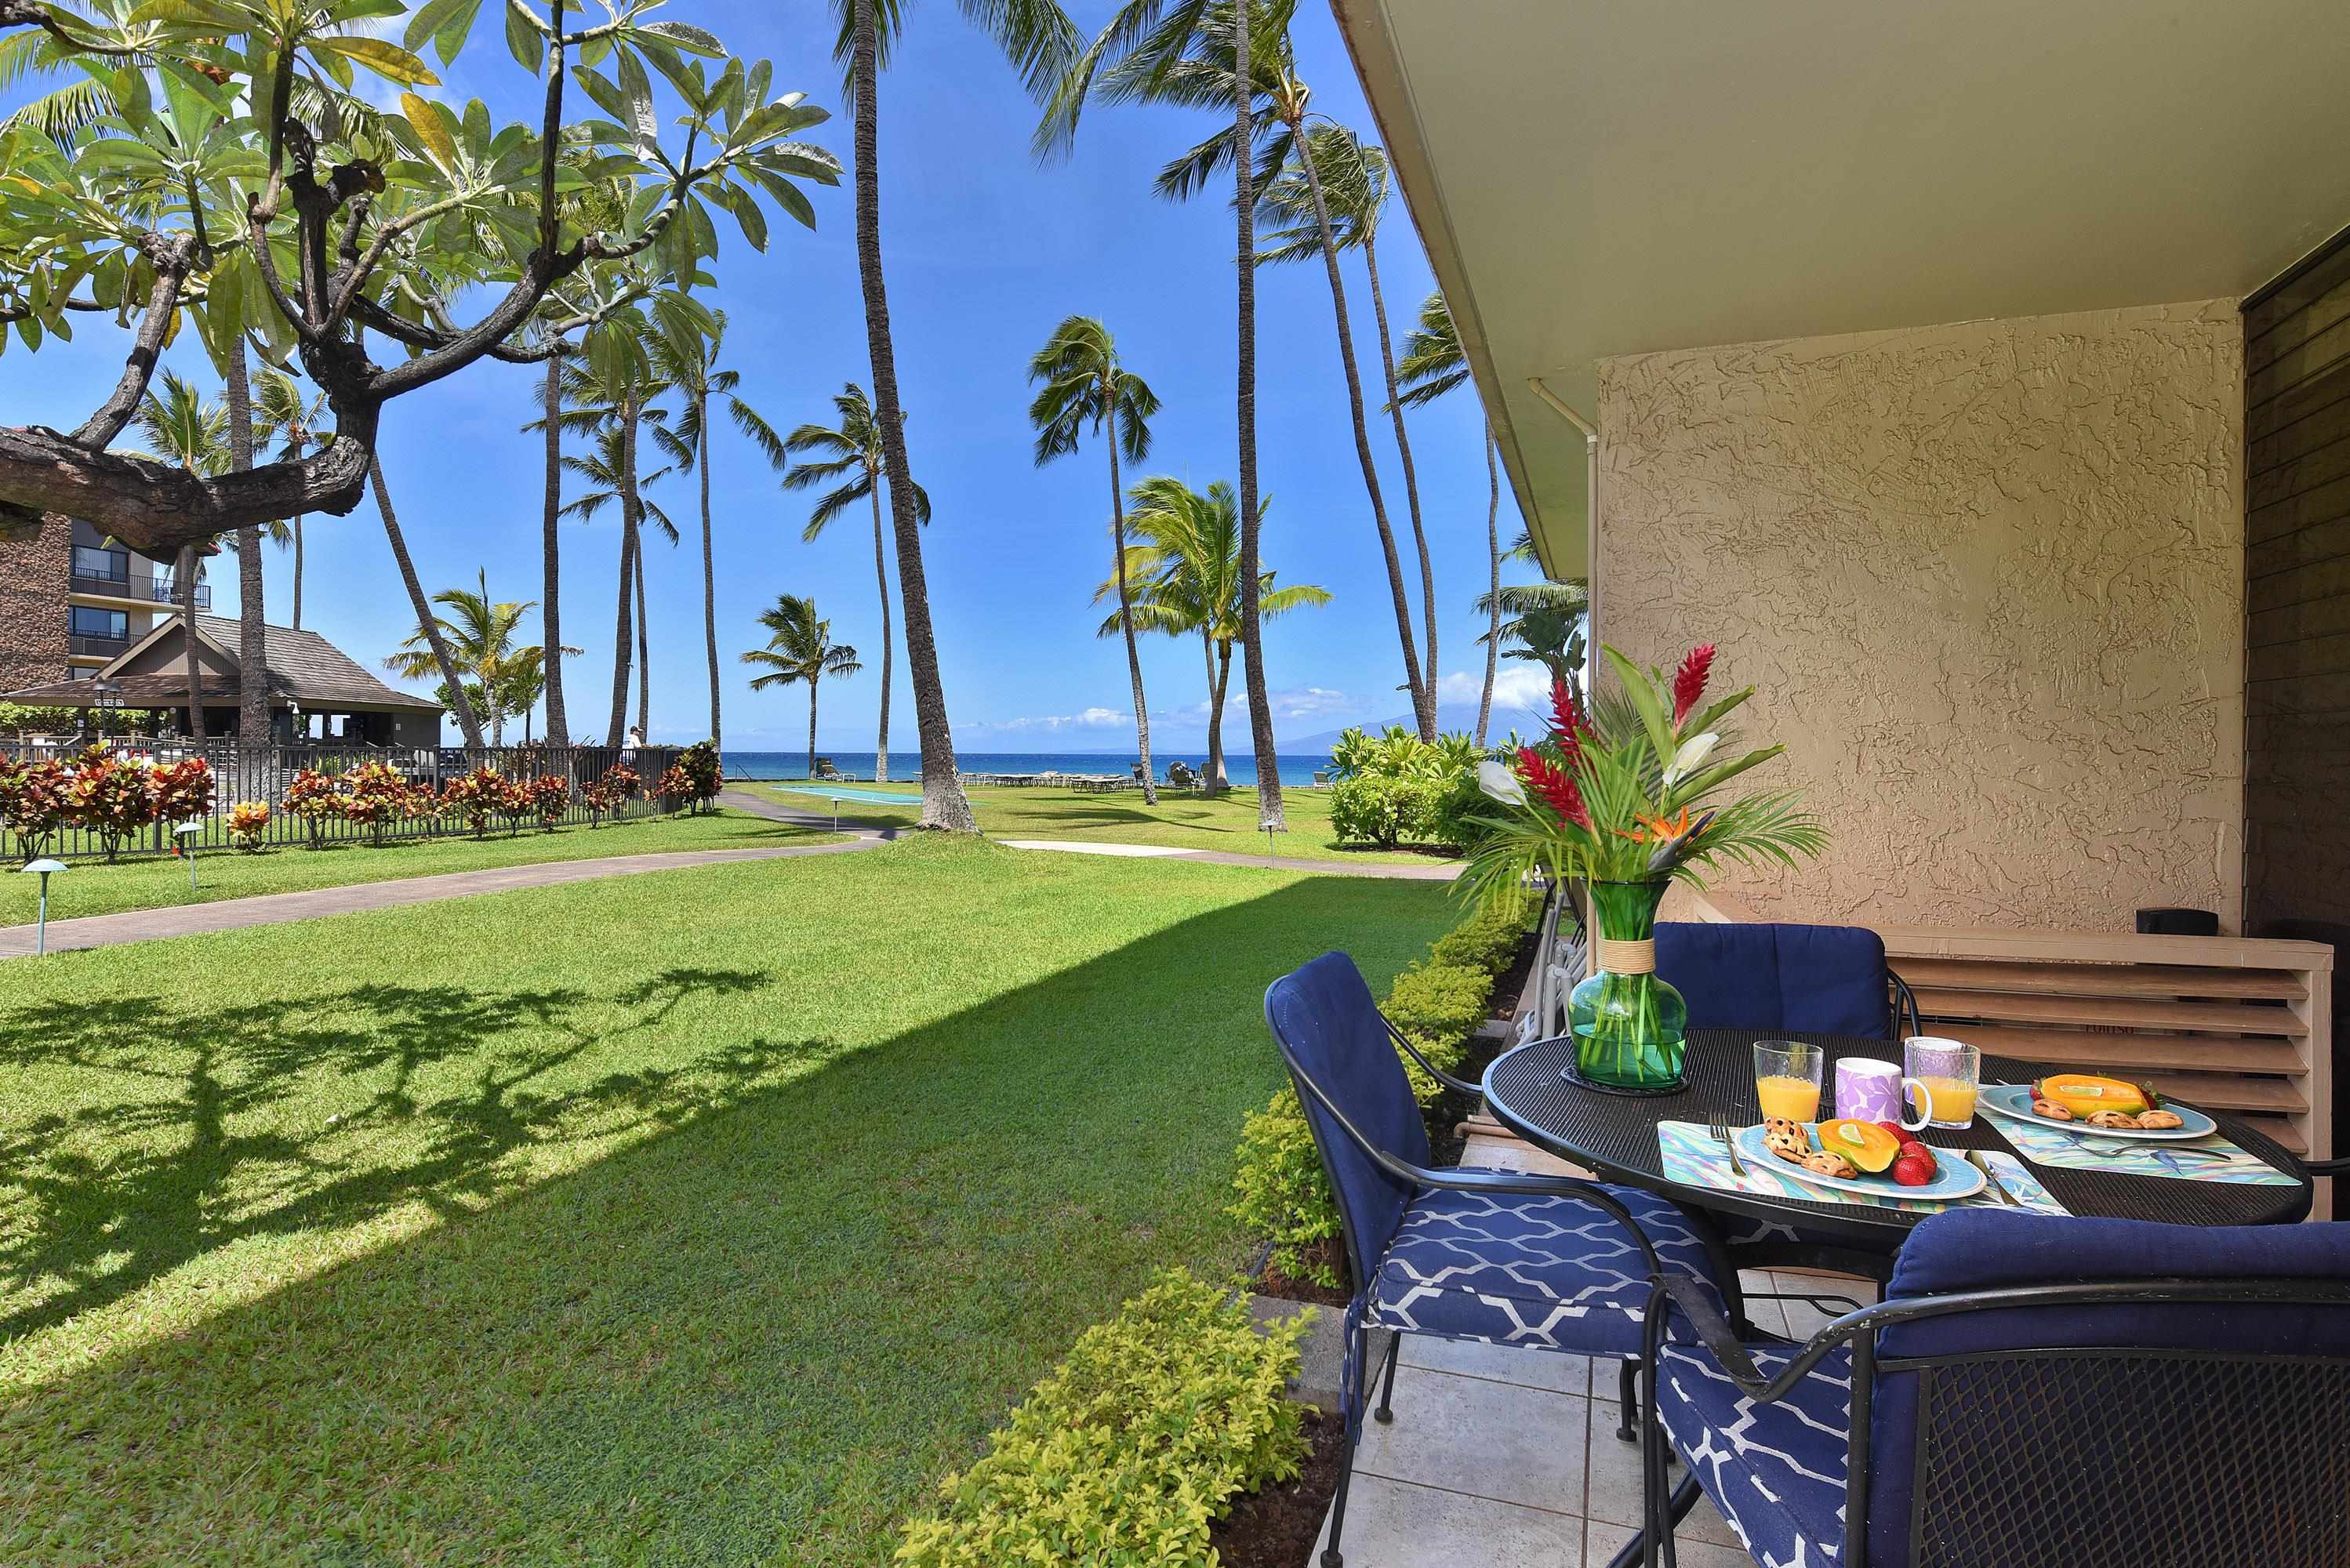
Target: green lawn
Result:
[694, 1219]
[92, 887]
[1183, 821]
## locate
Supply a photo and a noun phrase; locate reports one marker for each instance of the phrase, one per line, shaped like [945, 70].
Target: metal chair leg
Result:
[1354, 1381]
[1385, 1414]
[1628, 1396]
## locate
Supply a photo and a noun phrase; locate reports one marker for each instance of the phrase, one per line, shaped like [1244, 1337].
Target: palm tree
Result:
[442, 660]
[1434, 364]
[852, 454]
[1200, 67]
[295, 424]
[688, 362]
[1354, 180]
[1187, 562]
[1087, 387]
[252, 660]
[799, 648]
[179, 424]
[610, 391]
[479, 634]
[1039, 40]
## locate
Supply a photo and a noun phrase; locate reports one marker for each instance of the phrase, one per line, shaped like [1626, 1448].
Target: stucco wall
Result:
[1989, 579]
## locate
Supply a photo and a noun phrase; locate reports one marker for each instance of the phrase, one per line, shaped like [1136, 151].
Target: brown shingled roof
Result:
[302, 666]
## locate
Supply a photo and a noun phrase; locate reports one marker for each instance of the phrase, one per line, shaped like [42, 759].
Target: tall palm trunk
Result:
[1410, 476]
[558, 725]
[1220, 678]
[943, 801]
[1493, 591]
[1268, 766]
[708, 571]
[1423, 708]
[622, 646]
[1126, 607]
[811, 762]
[451, 677]
[185, 569]
[881, 578]
[644, 647]
[629, 547]
[252, 657]
[293, 444]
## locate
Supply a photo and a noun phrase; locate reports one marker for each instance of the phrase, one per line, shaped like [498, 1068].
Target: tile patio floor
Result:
[1508, 1458]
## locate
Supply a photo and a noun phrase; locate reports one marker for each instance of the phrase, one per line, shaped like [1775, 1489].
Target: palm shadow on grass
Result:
[760, 1334]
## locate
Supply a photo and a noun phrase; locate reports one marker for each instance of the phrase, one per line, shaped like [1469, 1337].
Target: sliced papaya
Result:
[1864, 1144]
[2085, 1093]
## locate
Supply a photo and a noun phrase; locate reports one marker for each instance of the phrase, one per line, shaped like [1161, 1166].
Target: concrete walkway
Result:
[275, 909]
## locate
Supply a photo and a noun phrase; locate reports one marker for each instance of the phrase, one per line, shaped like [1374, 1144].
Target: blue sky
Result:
[985, 252]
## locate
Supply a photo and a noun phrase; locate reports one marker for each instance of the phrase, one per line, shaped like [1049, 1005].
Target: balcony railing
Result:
[104, 647]
[167, 592]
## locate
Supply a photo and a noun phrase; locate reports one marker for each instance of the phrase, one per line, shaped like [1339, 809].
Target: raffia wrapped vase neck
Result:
[1629, 1025]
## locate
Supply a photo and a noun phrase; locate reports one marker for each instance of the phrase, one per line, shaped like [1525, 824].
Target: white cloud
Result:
[1311, 702]
[1049, 723]
[1517, 683]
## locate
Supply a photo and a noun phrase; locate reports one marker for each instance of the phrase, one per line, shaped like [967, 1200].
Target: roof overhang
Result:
[1594, 180]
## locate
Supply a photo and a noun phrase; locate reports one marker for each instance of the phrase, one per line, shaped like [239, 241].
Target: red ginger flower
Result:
[1688, 680]
[1556, 784]
[1568, 723]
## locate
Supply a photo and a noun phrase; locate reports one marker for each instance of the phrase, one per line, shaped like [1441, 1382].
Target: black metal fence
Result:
[261, 774]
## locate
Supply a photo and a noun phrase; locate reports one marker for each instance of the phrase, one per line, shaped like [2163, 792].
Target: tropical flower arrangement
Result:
[1625, 796]
[248, 821]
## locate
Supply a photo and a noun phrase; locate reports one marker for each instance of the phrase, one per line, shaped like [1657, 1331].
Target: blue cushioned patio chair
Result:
[1495, 1257]
[1776, 980]
[2038, 1392]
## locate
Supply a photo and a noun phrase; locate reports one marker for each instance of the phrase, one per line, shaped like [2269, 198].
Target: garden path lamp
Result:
[187, 832]
[41, 933]
[836, 814]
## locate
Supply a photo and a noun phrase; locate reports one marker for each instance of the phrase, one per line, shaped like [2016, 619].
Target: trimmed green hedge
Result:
[1283, 1196]
[1123, 1457]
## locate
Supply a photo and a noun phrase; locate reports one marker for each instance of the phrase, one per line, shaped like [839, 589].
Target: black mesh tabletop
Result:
[1615, 1136]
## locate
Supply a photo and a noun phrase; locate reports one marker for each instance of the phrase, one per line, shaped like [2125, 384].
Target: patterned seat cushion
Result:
[1555, 1273]
[1776, 1469]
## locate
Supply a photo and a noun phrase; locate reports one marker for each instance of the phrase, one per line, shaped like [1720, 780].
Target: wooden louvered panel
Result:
[2116, 1052]
[2135, 1012]
[2103, 979]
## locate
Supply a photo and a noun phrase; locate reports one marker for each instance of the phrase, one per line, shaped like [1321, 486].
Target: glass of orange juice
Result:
[1787, 1079]
[1950, 1072]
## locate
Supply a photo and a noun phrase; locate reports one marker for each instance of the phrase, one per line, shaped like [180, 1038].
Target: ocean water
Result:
[906, 766]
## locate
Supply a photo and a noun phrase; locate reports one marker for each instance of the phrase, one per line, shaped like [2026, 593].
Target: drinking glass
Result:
[1787, 1079]
[1950, 1072]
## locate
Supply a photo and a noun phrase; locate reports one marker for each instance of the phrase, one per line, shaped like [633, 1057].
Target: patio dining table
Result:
[1615, 1137]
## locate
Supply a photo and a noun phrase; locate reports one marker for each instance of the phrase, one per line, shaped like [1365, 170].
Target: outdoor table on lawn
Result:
[1615, 1137]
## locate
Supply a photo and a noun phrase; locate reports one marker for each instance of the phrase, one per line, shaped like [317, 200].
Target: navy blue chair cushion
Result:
[1324, 1015]
[1980, 1250]
[1826, 980]
[1555, 1273]
[1776, 1469]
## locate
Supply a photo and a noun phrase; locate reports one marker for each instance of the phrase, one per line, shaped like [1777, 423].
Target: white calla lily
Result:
[1693, 752]
[1498, 781]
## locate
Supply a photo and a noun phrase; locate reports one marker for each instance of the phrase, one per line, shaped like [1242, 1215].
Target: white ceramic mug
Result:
[1872, 1091]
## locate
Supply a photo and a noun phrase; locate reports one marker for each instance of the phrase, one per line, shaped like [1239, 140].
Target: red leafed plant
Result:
[180, 792]
[476, 797]
[33, 802]
[108, 794]
[248, 821]
[612, 793]
[515, 801]
[676, 788]
[317, 798]
[550, 796]
[378, 796]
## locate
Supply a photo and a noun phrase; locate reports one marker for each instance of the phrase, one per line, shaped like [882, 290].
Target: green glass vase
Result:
[1628, 1023]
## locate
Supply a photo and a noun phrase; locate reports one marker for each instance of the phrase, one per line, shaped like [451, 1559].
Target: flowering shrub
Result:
[315, 798]
[550, 796]
[612, 793]
[475, 796]
[32, 802]
[247, 821]
[1123, 1457]
[180, 792]
[376, 795]
[675, 788]
[106, 793]
[701, 764]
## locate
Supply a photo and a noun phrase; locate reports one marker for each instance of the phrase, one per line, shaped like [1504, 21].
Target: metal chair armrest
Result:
[2326, 1167]
[1905, 1005]
[1713, 1331]
[1458, 1085]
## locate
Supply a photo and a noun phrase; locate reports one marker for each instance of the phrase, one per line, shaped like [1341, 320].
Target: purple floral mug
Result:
[1871, 1091]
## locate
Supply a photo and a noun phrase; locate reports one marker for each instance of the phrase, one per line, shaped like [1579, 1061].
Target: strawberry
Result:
[1914, 1169]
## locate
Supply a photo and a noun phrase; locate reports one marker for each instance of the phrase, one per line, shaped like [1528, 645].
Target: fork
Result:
[1721, 1131]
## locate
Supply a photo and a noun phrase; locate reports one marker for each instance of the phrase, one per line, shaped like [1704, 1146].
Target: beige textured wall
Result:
[1989, 581]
